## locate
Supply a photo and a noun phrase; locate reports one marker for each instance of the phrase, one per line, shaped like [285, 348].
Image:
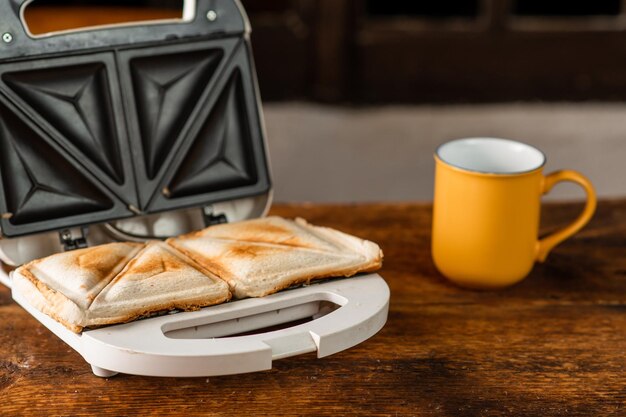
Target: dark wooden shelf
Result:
[346, 51]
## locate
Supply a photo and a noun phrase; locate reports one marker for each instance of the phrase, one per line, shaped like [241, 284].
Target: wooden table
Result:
[553, 345]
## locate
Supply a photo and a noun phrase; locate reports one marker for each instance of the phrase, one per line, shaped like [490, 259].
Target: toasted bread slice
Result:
[64, 285]
[157, 279]
[262, 256]
[273, 230]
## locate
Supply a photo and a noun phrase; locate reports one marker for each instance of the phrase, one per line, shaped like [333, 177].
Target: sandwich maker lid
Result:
[114, 122]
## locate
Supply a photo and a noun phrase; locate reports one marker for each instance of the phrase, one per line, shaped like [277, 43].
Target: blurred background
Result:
[358, 93]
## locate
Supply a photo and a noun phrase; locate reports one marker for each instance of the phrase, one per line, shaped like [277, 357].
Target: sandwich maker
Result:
[143, 131]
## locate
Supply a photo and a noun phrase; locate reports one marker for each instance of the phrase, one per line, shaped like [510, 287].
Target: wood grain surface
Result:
[552, 345]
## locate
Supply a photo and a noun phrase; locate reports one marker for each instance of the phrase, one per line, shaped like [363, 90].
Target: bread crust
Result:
[157, 310]
[45, 299]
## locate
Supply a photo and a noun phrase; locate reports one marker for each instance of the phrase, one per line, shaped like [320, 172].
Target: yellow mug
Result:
[486, 211]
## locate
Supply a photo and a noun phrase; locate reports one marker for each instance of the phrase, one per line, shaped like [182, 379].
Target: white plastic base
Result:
[208, 342]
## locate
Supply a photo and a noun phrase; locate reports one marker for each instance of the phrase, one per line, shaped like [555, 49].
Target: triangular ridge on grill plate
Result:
[39, 183]
[221, 156]
[76, 101]
[167, 89]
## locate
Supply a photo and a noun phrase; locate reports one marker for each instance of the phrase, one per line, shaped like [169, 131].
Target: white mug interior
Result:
[491, 155]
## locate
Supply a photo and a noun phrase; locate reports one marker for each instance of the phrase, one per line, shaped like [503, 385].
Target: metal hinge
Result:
[211, 218]
[70, 242]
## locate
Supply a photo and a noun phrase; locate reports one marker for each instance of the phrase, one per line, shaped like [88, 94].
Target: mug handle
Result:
[545, 245]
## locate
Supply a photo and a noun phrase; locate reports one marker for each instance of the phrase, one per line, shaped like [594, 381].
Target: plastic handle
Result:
[143, 348]
[201, 18]
[545, 245]
[188, 12]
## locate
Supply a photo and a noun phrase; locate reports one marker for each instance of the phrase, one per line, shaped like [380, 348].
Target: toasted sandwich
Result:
[116, 283]
[262, 256]
[120, 282]
[157, 279]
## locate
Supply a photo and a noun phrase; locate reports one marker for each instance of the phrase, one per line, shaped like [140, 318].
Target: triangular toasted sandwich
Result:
[157, 279]
[64, 285]
[262, 256]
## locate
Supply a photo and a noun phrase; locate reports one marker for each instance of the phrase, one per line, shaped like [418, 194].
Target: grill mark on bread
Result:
[96, 260]
[257, 232]
[178, 245]
[271, 233]
[243, 250]
[292, 241]
[258, 227]
[100, 260]
[144, 271]
[156, 263]
[171, 259]
[203, 262]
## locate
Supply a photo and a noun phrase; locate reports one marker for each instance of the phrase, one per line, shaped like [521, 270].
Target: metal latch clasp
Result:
[70, 242]
[210, 218]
